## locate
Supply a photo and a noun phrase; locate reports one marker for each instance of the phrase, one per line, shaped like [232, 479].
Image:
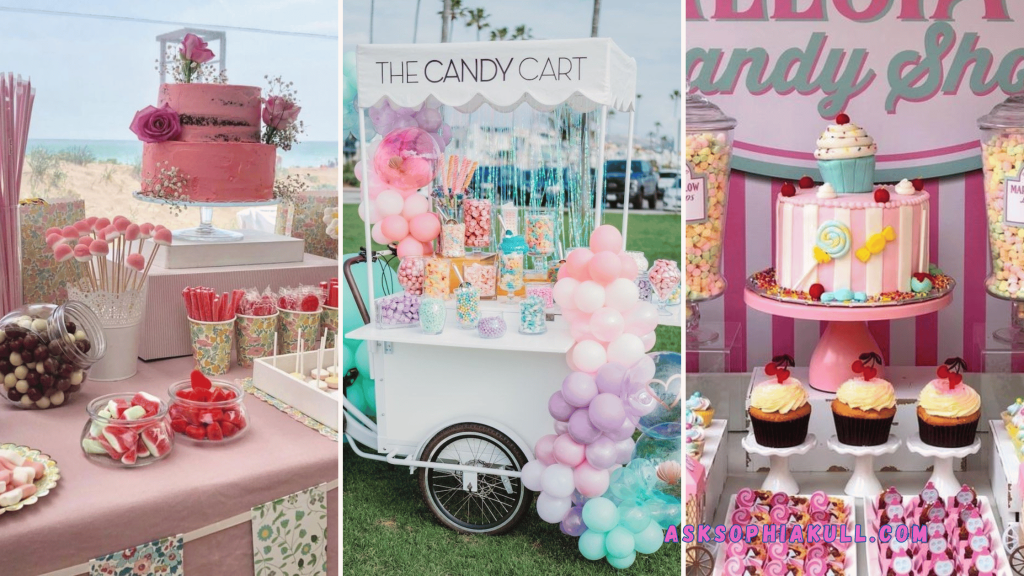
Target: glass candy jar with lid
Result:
[467, 305]
[511, 262]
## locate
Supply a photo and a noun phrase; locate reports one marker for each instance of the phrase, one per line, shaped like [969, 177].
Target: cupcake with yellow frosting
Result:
[948, 411]
[779, 412]
[865, 405]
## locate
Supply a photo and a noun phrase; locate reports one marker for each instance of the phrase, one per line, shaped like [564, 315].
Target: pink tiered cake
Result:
[218, 152]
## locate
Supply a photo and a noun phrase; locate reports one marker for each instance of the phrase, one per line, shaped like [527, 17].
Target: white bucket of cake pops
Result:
[120, 314]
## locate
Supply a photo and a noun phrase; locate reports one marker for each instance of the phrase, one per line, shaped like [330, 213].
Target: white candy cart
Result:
[462, 411]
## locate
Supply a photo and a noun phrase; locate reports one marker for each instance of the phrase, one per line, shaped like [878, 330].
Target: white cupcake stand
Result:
[863, 483]
[942, 475]
[779, 478]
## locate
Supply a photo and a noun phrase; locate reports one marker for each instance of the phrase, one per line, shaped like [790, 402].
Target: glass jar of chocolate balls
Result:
[46, 351]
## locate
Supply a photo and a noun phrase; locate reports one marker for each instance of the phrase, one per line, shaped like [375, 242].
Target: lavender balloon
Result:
[606, 412]
[623, 432]
[572, 524]
[581, 428]
[579, 389]
[609, 377]
[558, 408]
[602, 453]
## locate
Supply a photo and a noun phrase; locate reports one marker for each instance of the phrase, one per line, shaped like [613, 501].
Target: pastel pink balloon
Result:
[580, 331]
[624, 447]
[563, 273]
[425, 227]
[563, 290]
[629, 269]
[378, 235]
[409, 247]
[626, 349]
[601, 453]
[589, 296]
[415, 205]
[626, 431]
[569, 359]
[429, 119]
[606, 238]
[545, 449]
[642, 319]
[604, 267]
[607, 324]
[567, 451]
[649, 340]
[622, 295]
[394, 228]
[136, 261]
[561, 427]
[428, 248]
[589, 355]
[606, 412]
[590, 481]
[389, 203]
[577, 261]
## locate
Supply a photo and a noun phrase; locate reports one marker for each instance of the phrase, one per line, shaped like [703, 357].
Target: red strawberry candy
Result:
[200, 381]
[214, 432]
[149, 402]
[176, 410]
[195, 432]
[130, 456]
[310, 303]
[185, 394]
[806, 182]
[179, 425]
[918, 184]
[788, 189]
[228, 429]
[201, 395]
[842, 118]
[219, 395]
[816, 290]
[881, 195]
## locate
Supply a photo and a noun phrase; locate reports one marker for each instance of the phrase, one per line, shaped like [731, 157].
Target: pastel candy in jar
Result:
[477, 213]
[410, 274]
[467, 305]
[436, 275]
[432, 315]
[531, 316]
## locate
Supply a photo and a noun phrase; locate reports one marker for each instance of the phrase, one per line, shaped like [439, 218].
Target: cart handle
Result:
[350, 279]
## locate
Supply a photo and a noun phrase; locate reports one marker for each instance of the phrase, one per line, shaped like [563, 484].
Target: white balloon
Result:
[552, 509]
[389, 203]
[532, 473]
[643, 318]
[569, 359]
[589, 296]
[557, 481]
[560, 428]
[589, 355]
[621, 294]
[563, 292]
[649, 340]
[626, 349]
[374, 213]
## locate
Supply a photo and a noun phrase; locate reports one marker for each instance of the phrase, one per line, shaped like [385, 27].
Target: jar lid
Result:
[702, 115]
[1007, 114]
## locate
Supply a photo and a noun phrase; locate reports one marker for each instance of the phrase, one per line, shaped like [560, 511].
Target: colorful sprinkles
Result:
[764, 283]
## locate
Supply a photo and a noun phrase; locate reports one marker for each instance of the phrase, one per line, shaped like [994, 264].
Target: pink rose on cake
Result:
[152, 124]
[279, 113]
[195, 49]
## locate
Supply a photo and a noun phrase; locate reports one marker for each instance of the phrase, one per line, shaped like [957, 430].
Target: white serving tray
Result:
[851, 552]
[986, 513]
[277, 381]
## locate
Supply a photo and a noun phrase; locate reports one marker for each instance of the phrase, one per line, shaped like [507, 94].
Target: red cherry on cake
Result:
[943, 371]
[918, 184]
[955, 379]
[858, 366]
[870, 373]
[842, 118]
[816, 290]
[770, 369]
[782, 375]
[806, 182]
[788, 189]
[881, 195]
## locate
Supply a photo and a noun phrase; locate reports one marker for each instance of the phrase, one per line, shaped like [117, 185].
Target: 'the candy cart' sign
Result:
[696, 197]
[916, 74]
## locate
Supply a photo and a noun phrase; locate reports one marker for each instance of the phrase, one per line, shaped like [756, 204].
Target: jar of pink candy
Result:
[410, 274]
[540, 237]
[708, 159]
[46, 352]
[477, 215]
[206, 411]
[484, 277]
[127, 430]
[542, 290]
[665, 278]
[1002, 159]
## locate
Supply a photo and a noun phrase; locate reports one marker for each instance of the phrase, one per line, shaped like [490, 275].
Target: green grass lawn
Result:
[388, 530]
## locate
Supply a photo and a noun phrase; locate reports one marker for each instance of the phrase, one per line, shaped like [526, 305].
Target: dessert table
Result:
[96, 510]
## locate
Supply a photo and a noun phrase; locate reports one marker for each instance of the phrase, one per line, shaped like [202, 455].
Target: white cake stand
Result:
[779, 478]
[942, 476]
[863, 483]
[205, 232]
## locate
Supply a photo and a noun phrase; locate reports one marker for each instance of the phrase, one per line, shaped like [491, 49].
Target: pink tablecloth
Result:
[95, 510]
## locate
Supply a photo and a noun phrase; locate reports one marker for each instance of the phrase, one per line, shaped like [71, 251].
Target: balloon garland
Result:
[615, 511]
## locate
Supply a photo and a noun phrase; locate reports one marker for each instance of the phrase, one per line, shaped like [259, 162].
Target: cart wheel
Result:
[1017, 561]
[498, 503]
[1011, 537]
[699, 561]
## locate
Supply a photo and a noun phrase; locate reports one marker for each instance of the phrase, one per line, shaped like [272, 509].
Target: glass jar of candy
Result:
[542, 290]
[1002, 162]
[453, 239]
[127, 431]
[665, 280]
[491, 327]
[436, 277]
[483, 277]
[398, 311]
[531, 316]
[214, 415]
[432, 315]
[477, 214]
[540, 237]
[643, 286]
[467, 305]
[410, 274]
[510, 273]
[46, 352]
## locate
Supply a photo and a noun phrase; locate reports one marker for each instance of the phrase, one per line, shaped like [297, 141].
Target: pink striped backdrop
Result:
[959, 245]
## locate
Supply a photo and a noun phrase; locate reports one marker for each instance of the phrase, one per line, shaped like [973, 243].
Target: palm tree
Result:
[499, 33]
[416, 23]
[522, 33]
[454, 10]
[676, 98]
[651, 136]
[596, 18]
[657, 128]
[372, 5]
[446, 16]
[477, 17]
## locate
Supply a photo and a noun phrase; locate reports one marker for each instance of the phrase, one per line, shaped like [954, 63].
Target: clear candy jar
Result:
[483, 277]
[708, 160]
[643, 286]
[491, 327]
[453, 239]
[511, 273]
[215, 416]
[1002, 156]
[540, 233]
[477, 214]
[467, 305]
[111, 439]
[436, 276]
[398, 311]
[46, 351]
[531, 316]
[410, 274]
[432, 315]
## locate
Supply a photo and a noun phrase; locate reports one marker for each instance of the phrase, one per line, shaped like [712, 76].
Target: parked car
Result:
[666, 179]
[643, 184]
[674, 195]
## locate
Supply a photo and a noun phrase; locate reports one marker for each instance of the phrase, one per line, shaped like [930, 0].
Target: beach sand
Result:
[107, 190]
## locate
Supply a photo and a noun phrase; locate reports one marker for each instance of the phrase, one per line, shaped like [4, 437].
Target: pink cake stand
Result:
[846, 335]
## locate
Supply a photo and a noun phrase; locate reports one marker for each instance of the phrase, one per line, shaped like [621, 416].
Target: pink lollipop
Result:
[779, 499]
[162, 237]
[82, 253]
[63, 252]
[406, 159]
[91, 220]
[778, 514]
[815, 566]
[132, 232]
[109, 233]
[69, 233]
[778, 551]
[100, 224]
[85, 241]
[745, 498]
[818, 501]
[734, 567]
[775, 568]
[136, 262]
[145, 230]
[99, 247]
[83, 227]
[741, 517]
[735, 550]
[54, 238]
[122, 224]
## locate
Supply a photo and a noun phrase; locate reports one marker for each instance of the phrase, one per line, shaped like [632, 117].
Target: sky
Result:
[92, 75]
[648, 31]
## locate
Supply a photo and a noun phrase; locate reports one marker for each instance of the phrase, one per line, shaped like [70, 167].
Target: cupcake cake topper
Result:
[866, 365]
[951, 371]
[778, 367]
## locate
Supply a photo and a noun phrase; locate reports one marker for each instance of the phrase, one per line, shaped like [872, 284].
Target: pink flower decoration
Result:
[279, 113]
[194, 48]
[154, 125]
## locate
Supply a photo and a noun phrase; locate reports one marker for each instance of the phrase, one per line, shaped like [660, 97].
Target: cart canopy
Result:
[585, 74]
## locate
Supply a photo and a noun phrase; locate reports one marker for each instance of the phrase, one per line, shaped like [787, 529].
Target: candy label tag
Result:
[964, 496]
[985, 563]
[902, 565]
[936, 545]
[929, 494]
[943, 568]
[894, 510]
[1013, 192]
[979, 543]
[696, 196]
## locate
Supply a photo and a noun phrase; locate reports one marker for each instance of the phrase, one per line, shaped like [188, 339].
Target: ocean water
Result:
[302, 155]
